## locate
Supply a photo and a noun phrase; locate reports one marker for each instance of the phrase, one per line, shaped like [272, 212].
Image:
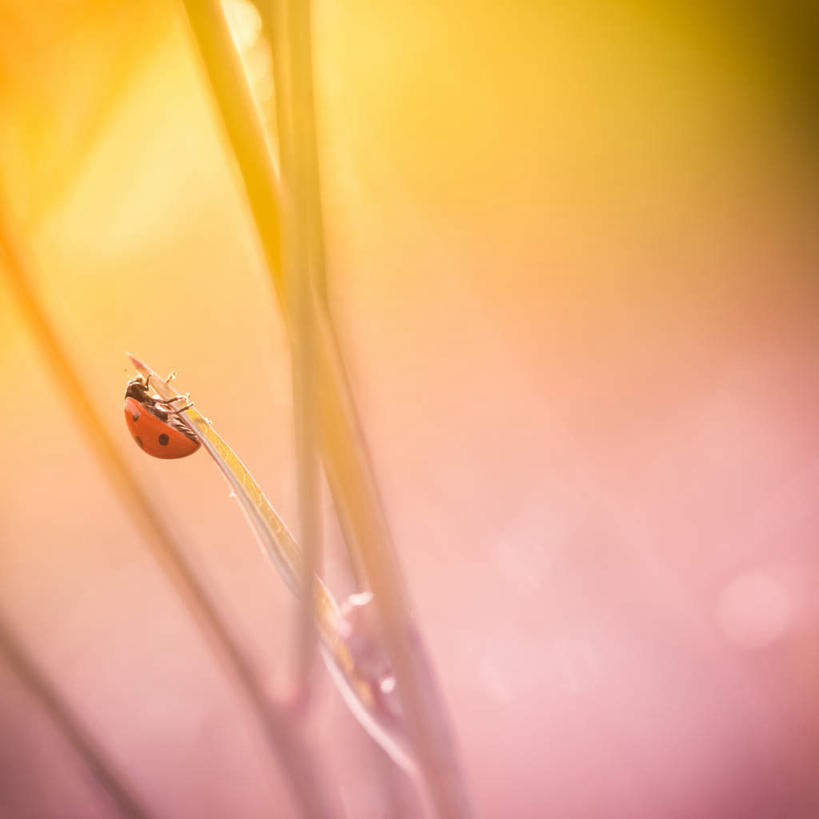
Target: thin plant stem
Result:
[283, 740]
[276, 539]
[343, 450]
[351, 480]
[69, 724]
[304, 413]
[302, 265]
[356, 687]
[244, 129]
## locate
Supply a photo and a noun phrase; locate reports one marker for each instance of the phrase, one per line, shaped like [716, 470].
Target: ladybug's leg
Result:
[169, 404]
[185, 397]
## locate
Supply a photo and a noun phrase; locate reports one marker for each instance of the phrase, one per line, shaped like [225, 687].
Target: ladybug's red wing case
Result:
[154, 435]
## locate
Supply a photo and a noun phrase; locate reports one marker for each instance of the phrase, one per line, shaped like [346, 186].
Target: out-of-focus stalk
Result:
[285, 742]
[342, 445]
[69, 724]
[303, 268]
[351, 479]
[230, 87]
[305, 403]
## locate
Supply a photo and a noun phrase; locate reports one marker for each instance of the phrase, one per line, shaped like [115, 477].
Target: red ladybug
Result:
[154, 425]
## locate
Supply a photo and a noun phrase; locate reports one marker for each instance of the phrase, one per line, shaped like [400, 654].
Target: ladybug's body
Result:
[153, 426]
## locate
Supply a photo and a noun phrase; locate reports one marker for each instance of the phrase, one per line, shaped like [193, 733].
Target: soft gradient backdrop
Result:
[573, 259]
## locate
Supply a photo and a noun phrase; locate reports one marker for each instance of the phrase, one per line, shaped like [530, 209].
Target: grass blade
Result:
[69, 724]
[347, 671]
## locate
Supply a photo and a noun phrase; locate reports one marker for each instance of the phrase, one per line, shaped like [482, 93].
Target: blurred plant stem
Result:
[134, 43]
[304, 268]
[343, 450]
[283, 738]
[69, 724]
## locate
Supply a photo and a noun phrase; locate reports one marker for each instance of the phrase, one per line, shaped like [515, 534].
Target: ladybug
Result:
[154, 424]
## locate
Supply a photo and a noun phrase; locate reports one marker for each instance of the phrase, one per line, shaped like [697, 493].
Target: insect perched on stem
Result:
[154, 422]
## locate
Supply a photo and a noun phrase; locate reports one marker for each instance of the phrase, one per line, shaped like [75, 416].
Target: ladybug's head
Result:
[137, 388]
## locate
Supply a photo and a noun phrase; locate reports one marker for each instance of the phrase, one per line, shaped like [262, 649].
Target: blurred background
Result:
[572, 257]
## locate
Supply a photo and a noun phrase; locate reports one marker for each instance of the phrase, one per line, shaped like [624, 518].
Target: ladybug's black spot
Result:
[163, 439]
[139, 441]
[135, 416]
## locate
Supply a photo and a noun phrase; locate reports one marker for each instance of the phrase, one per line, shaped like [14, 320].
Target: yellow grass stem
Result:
[343, 451]
[303, 266]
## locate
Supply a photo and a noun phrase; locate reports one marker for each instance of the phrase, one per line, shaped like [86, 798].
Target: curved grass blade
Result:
[359, 689]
